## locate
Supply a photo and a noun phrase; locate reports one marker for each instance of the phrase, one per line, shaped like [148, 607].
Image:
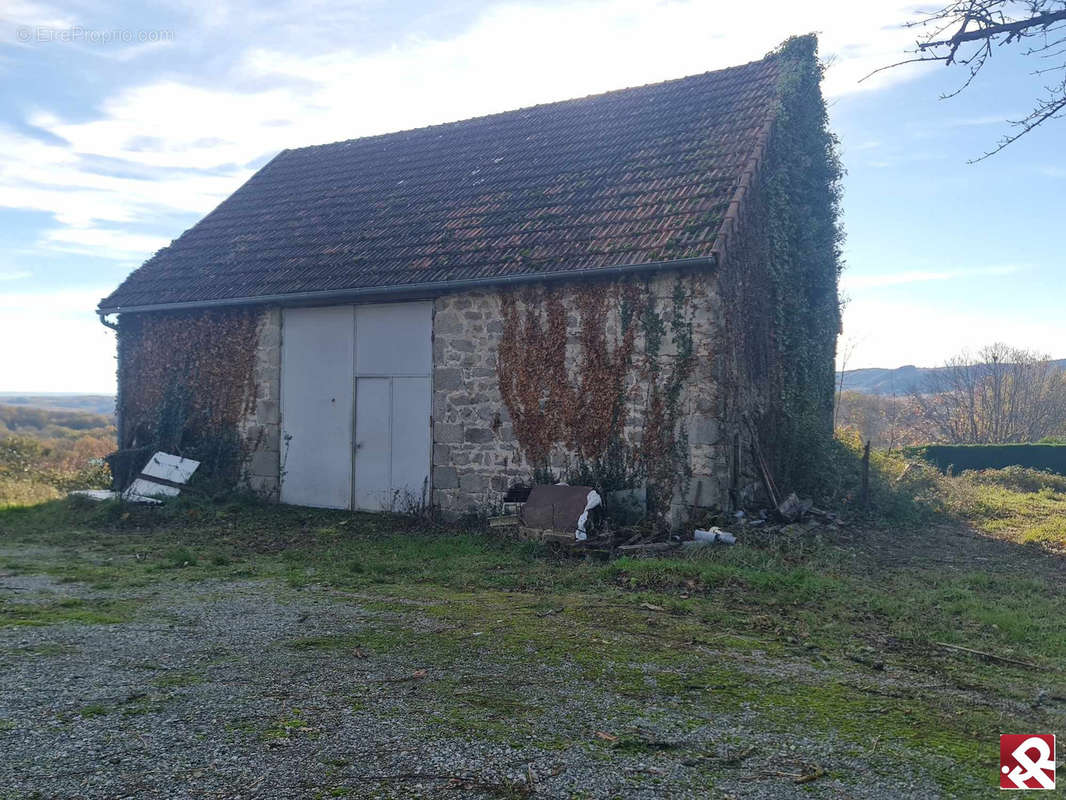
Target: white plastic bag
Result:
[592, 501]
[715, 534]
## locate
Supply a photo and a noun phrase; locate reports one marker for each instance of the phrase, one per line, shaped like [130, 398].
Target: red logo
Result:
[1027, 761]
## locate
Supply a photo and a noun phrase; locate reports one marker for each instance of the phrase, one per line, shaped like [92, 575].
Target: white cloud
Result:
[65, 346]
[14, 275]
[851, 282]
[891, 333]
[512, 55]
[171, 148]
[101, 242]
[24, 12]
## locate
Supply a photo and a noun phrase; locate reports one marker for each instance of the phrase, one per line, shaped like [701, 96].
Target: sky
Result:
[122, 124]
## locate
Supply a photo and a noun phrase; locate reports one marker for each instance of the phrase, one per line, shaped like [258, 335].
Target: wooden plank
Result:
[545, 535]
[651, 547]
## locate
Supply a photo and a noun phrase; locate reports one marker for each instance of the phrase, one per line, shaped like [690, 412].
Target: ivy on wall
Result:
[781, 310]
[186, 382]
[571, 388]
[531, 363]
[664, 444]
[595, 410]
[775, 334]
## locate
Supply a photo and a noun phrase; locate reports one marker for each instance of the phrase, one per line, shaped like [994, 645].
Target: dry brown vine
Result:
[207, 356]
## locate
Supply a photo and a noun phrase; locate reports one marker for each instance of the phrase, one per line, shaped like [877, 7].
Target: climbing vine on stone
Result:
[664, 445]
[187, 382]
[595, 408]
[531, 363]
[582, 402]
[781, 310]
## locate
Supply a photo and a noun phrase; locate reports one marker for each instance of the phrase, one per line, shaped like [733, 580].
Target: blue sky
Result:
[122, 125]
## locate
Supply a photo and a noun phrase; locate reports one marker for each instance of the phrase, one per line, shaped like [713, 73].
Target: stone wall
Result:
[261, 428]
[476, 455]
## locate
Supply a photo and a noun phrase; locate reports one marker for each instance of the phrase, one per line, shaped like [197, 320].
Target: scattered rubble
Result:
[792, 508]
[714, 536]
[551, 514]
[164, 476]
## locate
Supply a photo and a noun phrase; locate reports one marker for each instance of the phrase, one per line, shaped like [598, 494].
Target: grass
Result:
[178, 680]
[825, 614]
[1021, 513]
[86, 612]
[287, 726]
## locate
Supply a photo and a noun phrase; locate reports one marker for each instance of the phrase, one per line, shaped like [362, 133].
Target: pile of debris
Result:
[574, 517]
[163, 477]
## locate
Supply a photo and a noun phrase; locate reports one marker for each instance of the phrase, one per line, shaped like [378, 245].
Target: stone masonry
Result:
[476, 455]
[261, 428]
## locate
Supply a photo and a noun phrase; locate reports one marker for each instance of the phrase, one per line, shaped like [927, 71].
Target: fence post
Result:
[864, 493]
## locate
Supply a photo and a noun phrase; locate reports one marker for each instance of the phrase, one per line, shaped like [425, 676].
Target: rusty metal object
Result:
[555, 507]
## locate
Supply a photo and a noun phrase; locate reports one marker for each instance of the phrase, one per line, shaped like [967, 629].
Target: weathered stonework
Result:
[476, 454]
[261, 428]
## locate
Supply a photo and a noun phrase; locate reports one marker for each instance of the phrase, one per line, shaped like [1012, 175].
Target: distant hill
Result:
[89, 403]
[898, 381]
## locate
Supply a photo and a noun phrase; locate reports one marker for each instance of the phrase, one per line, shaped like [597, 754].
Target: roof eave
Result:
[407, 291]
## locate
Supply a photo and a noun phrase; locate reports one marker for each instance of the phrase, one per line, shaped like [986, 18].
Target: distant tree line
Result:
[999, 395]
[1003, 394]
[45, 452]
[32, 421]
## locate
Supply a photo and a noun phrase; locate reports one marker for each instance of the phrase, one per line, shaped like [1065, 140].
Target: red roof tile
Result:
[624, 178]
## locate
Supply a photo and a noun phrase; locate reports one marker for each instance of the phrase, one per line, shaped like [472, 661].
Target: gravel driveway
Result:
[240, 689]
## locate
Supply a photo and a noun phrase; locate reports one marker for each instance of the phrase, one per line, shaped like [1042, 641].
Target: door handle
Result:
[358, 445]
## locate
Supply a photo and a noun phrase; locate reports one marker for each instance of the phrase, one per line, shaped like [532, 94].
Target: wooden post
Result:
[864, 493]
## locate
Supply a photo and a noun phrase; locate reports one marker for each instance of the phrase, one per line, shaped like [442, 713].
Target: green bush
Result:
[32, 472]
[21, 455]
[900, 490]
[961, 457]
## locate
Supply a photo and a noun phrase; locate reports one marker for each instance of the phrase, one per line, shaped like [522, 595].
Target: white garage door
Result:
[355, 405]
[316, 406]
[393, 364]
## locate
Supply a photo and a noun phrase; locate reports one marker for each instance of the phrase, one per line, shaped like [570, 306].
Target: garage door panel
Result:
[355, 403]
[410, 437]
[372, 443]
[316, 406]
[393, 363]
[394, 339]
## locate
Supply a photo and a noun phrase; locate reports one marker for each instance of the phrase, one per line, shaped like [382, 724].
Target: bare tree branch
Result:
[965, 32]
[1002, 394]
[987, 32]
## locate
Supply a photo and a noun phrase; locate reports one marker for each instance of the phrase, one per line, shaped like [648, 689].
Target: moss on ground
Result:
[70, 610]
[810, 635]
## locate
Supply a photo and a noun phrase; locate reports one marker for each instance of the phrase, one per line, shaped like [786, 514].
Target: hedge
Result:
[959, 457]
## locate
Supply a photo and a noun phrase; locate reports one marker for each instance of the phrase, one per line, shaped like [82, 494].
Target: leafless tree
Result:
[963, 33]
[886, 421]
[847, 349]
[1003, 394]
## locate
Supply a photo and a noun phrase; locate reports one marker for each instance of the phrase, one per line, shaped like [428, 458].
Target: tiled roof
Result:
[629, 177]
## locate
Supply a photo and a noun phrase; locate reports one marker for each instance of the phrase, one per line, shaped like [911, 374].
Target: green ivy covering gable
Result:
[779, 280]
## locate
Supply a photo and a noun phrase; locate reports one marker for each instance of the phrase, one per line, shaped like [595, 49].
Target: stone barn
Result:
[636, 289]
